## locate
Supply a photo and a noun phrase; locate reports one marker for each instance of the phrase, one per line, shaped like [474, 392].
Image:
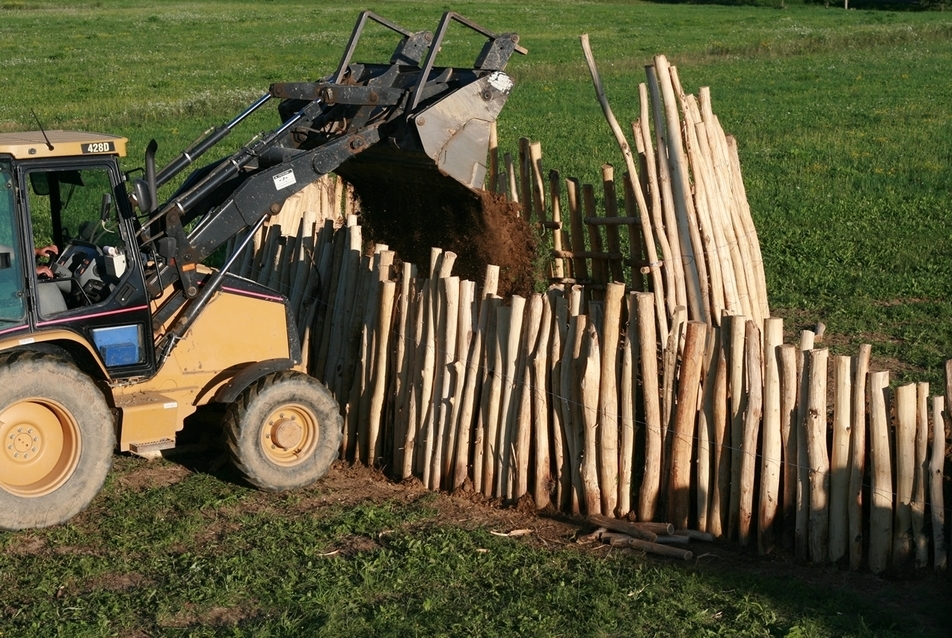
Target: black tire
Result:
[58, 437]
[284, 431]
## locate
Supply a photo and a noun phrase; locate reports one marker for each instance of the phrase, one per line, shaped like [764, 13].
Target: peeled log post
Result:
[738, 327]
[748, 462]
[772, 441]
[936, 499]
[839, 457]
[381, 363]
[692, 247]
[589, 365]
[570, 418]
[563, 476]
[819, 460]
[788, 432]
[671, 254]
[627, 401]
[489, 409]
[648, 359]
[539, 378]
[717, 521]
[682, 444]
[525, 425]
[922, 472]
[880, 470]
[608, 399]
[705, 428]
[905, 472]
[801, 542]
[858, 456]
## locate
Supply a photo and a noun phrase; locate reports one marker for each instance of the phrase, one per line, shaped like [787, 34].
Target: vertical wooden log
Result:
[682, 444]
[571, 419]
[381, 364]
[936, 498]
[880, 470]
[489, 410]
[705, 430]
[672, 347]
[524, 424]
[611, 230]
[670, 252]
[720, 499]
[772, 441]
[479, 364]
[905, 473]
[627, 402]
[801, 540]
[589, 366]
[648, 360]
[678, 236]
[512, 389]
[449, 294]
[815, 368]
[738, 395]
[555, 194]
[574, 198]
[858, 456]
[840, 457]
[558, 305]
[493, 157]
[539, 371]
[919, 536]
[789, 388]
[525, 187]
[511, 174]
[461, 429]
[755, 404]
[600, 273]
[608, 400]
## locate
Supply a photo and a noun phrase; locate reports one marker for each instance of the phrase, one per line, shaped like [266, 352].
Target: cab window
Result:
[76, 227]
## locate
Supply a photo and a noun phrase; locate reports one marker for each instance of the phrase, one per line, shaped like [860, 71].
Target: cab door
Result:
[88, 275]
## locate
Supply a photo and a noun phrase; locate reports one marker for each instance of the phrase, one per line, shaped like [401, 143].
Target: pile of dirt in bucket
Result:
[481, 228]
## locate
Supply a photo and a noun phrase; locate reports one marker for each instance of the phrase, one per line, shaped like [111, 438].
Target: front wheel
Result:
[57, 435]
[284, 431]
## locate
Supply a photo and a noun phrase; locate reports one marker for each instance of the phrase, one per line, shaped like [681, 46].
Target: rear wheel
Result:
[284, 431]
[57, 436]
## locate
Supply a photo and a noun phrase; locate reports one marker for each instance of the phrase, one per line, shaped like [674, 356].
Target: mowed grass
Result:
[844, 122]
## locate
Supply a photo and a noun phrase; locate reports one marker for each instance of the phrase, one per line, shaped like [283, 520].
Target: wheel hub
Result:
[41, 446]
[286, 432]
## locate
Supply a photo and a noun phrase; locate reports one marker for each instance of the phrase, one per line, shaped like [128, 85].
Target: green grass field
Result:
[844, 122]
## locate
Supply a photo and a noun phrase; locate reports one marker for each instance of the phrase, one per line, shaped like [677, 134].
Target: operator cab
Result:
[62, 197]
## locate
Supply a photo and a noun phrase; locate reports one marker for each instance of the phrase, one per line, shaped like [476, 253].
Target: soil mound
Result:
[481, 228]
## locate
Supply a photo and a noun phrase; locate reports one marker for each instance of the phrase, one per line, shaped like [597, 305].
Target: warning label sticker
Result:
[285, 179]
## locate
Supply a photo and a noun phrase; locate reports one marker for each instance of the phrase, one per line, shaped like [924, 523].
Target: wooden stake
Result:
[840, 457]
[748, 462]
[858, 456]
[819, 460]
[738, 394]
[905, 473]
[608, 399]
[631, 529]
[648, 359]
[936, 499]
[539, 379]
[921, 473]
[801, 540]
[789, 388]
[381, 363]
[682, 443]
[627, 402]
[588, 375]
[705, 429]
[772, 441]
[720, 497]
[881, 488]
[573, 196]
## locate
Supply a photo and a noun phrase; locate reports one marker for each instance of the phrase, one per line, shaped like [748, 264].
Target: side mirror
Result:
[106, 208]
[145, 189]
